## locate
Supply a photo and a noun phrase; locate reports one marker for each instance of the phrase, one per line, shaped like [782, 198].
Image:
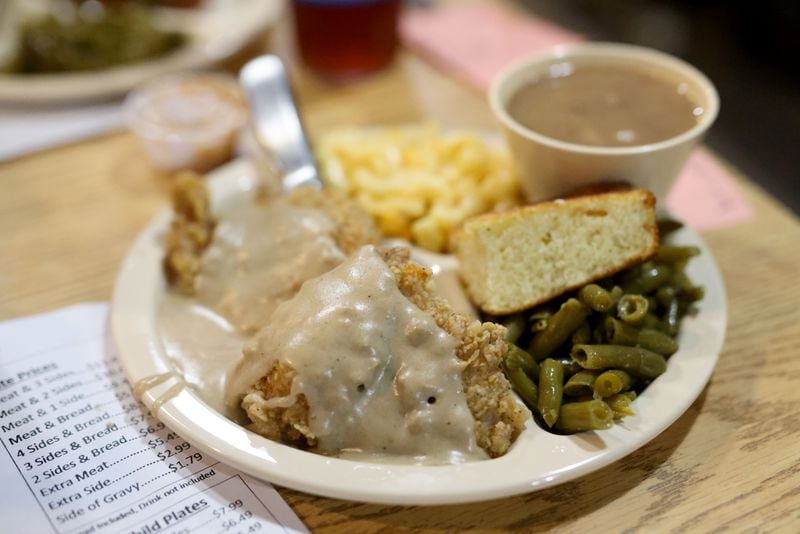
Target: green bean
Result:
[596, 298]
[583, 416]
[569, 365]
[692, 294]
[523, 385]
[551, 387]
[629, 274]
[666, 294]
[516, 357]
[672, 253]
[651, 277]
[515, 326]
[616, 293]
[582, 335]
[539, 318]
[651, 320]
[537, 325]
[680, 280]
[637, 361]
[612, 382]
[560, 326]
[583, 398]
[581, 383]
[598, 336]
[686, 288]
[696, 293]
[619, 333]
[672, 318]
[632, 308]
[667, 226]
[620, 404]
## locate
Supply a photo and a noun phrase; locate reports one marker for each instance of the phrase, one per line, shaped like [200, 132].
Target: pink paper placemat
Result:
[705, 195]
[474, 40]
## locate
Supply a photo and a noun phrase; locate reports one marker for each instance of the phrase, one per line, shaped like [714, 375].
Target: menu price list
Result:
[93, 459]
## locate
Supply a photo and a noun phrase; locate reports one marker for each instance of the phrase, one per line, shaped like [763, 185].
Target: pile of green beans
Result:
[578, 362]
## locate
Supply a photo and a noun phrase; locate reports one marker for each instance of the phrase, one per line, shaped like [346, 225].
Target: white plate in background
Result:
[537, 460]
[216, 30]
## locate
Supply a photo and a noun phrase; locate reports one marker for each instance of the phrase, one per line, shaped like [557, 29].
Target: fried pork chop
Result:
[192, 227]
[250, 256]
[497, 416]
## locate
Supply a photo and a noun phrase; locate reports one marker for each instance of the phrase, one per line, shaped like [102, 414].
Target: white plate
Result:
[537, 460]
[217, 30]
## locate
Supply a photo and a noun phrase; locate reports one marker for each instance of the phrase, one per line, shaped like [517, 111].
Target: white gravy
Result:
[202, 345]
[380, 377]
[149, 382]
[259, 257]
[348, 328]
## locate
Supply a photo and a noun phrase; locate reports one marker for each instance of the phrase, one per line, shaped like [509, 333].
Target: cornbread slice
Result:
[517, 259]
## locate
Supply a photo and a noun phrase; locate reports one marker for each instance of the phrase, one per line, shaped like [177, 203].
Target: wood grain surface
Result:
[730, 463]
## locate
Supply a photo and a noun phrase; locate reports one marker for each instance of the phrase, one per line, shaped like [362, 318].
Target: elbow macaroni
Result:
[416, 182]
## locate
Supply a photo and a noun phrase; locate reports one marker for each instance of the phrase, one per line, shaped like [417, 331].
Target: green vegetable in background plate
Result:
[117, 35]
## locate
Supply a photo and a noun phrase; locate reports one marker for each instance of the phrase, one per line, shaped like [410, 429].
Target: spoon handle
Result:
[276, 121]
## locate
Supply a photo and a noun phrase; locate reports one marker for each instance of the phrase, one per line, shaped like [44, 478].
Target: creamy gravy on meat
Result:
[259, 257]
[380, 377]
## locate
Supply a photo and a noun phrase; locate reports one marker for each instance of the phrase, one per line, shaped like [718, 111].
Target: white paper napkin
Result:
[24, 130]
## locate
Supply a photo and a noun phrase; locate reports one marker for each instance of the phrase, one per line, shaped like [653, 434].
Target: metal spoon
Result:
[276, 122]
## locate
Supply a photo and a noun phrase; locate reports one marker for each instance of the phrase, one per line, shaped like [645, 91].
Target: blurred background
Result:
[748, 49]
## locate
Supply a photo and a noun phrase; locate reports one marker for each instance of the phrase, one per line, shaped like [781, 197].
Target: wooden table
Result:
[731, 462]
